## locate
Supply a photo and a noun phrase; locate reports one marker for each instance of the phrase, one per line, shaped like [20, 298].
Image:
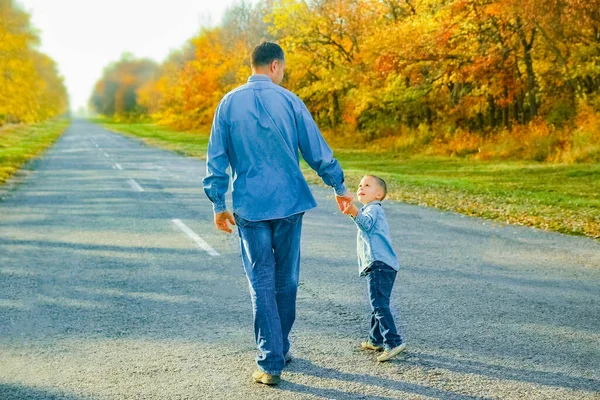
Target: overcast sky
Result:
[83, 36]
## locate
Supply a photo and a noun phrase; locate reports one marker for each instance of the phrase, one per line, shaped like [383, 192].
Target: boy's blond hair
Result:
[381, 184]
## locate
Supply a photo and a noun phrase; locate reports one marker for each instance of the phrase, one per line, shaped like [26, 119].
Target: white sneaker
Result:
[389, 354]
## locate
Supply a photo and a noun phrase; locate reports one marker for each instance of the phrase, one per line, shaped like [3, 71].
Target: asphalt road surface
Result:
[114, 284]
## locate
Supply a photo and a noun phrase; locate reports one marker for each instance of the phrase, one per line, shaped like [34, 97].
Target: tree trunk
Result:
[480, 121]
[492, 105]
[531, 85]
[528, 59]
[334, 110]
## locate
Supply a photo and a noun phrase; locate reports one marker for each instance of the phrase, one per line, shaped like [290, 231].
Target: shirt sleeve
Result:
[366, 217]
[216, 181]
[316, 151]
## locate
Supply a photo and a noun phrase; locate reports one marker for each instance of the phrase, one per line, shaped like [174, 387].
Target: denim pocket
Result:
[293, 219]
[239, 221]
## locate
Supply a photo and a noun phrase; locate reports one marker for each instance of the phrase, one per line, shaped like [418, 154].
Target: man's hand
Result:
[221, 220]
[343, 201]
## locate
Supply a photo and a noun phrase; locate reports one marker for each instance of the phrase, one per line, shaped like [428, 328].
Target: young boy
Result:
[378, 263]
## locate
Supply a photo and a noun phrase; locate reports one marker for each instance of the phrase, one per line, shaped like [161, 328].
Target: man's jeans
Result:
[380, 281]
[271, 258]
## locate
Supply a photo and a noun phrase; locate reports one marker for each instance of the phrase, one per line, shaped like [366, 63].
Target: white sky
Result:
[83, 36]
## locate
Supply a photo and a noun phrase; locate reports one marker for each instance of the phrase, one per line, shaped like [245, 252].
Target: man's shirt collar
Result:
[259, 78]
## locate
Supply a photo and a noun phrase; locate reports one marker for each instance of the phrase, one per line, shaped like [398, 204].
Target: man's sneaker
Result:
[367, 345]
[288, 357]
[388, 354]
[262, 377]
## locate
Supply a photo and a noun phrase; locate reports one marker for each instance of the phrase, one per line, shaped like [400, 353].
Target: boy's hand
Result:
[343, 201]
[221, 220]
[351, 210]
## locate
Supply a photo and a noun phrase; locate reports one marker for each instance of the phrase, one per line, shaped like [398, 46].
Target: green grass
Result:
[557, 197]
[21, 143]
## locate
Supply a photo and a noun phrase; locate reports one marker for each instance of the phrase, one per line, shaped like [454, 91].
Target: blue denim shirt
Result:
[373, 242]
[257, 130]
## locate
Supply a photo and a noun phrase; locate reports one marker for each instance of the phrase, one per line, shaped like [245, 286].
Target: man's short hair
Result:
[381, 184]
[265, 53]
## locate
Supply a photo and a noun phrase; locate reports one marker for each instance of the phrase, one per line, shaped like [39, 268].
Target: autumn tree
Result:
[115, 94]
[217, 60]
[373, 68]
[31, 89]
[323, 40]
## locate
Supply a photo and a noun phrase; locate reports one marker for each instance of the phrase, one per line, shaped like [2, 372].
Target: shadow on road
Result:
[20, 392]
[306, 367]
[506, 373]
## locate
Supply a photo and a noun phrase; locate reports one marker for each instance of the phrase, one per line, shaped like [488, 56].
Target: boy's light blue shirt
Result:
[373, 240]
[258, 129]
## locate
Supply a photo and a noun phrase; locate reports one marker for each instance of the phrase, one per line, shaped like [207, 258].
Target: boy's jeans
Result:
[271, 258]
[380, 281]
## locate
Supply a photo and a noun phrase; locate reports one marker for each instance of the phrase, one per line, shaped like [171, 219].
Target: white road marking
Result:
[199, 241]
[135, 185]
[118, 166]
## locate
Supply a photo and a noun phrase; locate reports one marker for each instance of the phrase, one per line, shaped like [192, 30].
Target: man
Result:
[257, 130]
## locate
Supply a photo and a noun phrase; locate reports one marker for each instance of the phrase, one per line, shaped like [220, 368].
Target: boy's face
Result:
[369, 190]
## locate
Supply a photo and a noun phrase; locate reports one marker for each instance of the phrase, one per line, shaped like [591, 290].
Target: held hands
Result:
[222, 219]
[351, 210]
[345, 204]
[343, 201]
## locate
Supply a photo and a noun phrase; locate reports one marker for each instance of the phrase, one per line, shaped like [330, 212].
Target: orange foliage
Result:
[477, 78]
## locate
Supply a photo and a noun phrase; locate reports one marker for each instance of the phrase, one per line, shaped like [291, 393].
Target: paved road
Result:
[115, 285]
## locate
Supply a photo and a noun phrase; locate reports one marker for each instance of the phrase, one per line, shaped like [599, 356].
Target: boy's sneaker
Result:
[389, 354]
[267, 379]
[367, 345]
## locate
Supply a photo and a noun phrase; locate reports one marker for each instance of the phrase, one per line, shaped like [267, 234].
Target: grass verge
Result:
[558, 197]
[21, 143]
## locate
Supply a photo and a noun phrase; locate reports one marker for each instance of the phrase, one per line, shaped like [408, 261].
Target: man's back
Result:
[258, 130]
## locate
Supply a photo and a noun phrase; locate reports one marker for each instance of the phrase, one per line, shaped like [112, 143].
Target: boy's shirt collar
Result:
[373, 202]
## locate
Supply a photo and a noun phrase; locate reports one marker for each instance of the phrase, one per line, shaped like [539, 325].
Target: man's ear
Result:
[273, 66]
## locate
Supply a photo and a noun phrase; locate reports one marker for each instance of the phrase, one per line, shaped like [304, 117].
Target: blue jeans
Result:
[380, 281]
[271, 258]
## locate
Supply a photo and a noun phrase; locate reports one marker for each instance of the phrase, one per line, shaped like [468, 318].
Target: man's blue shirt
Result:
[373, 242]
[257, 130]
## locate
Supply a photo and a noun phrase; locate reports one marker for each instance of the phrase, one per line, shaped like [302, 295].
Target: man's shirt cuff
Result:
[340, 189]
[219, 207]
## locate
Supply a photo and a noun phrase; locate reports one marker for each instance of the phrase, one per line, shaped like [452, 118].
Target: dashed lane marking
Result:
[135, 185]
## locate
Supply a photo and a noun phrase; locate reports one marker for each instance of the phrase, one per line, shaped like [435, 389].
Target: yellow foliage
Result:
[30, 87]
[473, 78]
